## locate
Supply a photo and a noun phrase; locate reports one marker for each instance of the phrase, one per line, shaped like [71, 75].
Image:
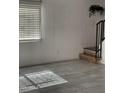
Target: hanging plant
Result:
[96, 9]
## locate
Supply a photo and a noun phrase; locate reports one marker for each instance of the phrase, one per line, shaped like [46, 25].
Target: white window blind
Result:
[29, 19]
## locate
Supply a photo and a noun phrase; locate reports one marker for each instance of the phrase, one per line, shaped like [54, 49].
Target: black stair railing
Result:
[100, 36]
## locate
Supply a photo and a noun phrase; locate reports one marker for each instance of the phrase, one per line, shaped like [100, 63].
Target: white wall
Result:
[67, 29]
[103, 52]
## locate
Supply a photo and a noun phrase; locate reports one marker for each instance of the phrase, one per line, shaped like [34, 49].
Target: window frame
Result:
[40, 27]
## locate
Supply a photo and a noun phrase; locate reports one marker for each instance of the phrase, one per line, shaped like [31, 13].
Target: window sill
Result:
[29, 40]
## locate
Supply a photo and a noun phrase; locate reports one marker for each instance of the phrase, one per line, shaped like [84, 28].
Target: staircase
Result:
[94, 54]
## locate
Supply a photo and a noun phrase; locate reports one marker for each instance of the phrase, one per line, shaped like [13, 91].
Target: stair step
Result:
[90, 52]
[88, 58]
[91, 48]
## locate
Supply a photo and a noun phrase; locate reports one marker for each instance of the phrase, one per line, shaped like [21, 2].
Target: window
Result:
[29, 19]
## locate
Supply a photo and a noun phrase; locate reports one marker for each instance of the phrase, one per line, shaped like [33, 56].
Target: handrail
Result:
[100, 21]
[100, 36]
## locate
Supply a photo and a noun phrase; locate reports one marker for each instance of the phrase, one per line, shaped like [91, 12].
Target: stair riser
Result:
[88, 58]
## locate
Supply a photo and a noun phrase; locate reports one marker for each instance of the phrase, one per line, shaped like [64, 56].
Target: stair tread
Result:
[91, 48]
[89, 51]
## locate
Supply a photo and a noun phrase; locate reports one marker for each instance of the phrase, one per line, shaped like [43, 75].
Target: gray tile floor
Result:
[82, 77]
